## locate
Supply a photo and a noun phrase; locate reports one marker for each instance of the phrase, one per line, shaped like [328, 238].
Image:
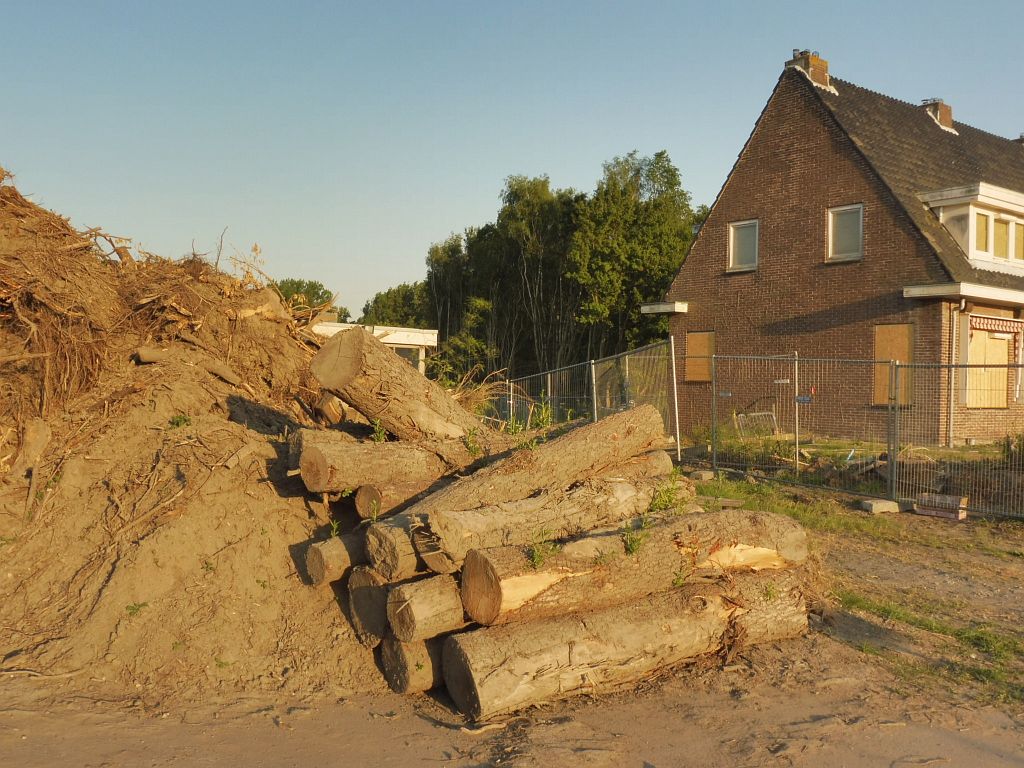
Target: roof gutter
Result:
[965, 291]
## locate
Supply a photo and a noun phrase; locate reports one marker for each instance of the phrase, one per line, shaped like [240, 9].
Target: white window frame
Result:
[733, 226]
[829, 255]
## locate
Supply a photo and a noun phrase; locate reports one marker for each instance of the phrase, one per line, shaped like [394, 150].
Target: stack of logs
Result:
[518, 571]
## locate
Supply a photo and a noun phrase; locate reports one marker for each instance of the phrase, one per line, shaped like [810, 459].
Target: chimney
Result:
[815, 67]
[940, 112]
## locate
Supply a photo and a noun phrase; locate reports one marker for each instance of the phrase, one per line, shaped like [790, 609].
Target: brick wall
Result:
[797, 164]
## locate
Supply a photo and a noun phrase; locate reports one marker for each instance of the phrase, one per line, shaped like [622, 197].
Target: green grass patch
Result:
[977, 637]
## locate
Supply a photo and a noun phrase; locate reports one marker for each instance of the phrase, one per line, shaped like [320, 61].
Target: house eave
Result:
[665, 308]
[972, 291]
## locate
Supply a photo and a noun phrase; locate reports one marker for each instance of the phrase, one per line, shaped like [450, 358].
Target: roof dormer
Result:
[986, 221]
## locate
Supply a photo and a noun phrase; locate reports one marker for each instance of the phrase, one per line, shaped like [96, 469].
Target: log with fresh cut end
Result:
[363, 372]
[331, 559]
[497, 670]
[622, 492]
[412, 667]
[611, 567]
[373, 502]
[333, 467]
[422, 609]
[301, 438]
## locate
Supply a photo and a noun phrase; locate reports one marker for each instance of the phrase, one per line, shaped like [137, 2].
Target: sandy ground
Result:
[858, 690]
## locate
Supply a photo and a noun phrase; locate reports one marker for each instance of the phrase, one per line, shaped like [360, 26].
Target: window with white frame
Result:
[743, 245]
[846, 233]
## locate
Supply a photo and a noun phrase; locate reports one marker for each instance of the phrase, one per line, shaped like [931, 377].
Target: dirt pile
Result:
[146, 515]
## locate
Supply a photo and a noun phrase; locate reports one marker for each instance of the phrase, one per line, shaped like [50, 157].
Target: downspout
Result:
[954, 327]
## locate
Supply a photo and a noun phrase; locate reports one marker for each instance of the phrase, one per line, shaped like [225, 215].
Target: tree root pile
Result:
[149, 529]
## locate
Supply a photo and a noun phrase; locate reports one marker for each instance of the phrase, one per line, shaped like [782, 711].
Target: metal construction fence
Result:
[593, 390]
[872, 427]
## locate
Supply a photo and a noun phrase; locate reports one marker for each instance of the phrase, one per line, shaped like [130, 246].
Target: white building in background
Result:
[410, 343]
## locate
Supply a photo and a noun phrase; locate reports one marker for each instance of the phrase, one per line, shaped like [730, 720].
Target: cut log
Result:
[426, 608]
[305, 437]
[330, 560]
[373, 501]
[329, 467]
[389, 547]
[604, 569]
[621, 493]
[412, 667]
[497, 670]
[361, 370]
[368, 605]
[330, 410]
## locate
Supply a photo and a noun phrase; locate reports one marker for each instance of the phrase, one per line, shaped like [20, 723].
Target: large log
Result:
[368, 605]
[301, 438]
[608, 568]
[362, 371]
[373, 501]
[412, 667]
[497, 670]
[389, 547]
[426, 608]
[331, 559]
[622, 492]
[328, 467]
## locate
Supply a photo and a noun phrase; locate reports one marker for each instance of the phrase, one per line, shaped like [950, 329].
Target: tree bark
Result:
[389, 547]
[412, 667]
[608, 568]
[426, 608]
[362, 371]
[497, 670]
[306, 437]
[330, 560]
[547, 513]
[335, 467]
[368, 605]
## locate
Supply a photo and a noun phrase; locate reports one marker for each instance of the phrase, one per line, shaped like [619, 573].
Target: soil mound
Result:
[146, 514]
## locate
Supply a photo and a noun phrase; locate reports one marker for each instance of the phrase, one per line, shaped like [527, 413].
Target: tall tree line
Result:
[558, 277]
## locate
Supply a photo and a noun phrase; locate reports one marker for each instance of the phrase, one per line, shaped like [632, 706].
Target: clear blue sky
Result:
[346, 138]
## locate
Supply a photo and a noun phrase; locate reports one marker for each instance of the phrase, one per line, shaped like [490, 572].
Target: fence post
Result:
[593, 388]
[675, 392]
[893, 447]
[796, 411]
[714, 415]
[510, 416]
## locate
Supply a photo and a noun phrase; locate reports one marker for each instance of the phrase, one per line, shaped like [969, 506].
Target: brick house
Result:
[854, 225]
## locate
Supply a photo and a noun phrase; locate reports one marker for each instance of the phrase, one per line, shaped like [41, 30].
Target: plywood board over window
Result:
[893, 341]
[987, 387]
[700, 346]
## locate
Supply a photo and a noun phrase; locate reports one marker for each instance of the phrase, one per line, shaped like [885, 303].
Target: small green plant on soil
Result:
[635, 534]
[4, 541]
[472, 444]
[208, 567]
[665, 498]
[680, 577]
[180, 420]
[263, 584]
[419, 666]
[335, 526]
[541, 414]
[380, 435]
[374, 511]
[541, 549]
[178, 645]
[221, 664]
[513, 426]
[604, 558]
[529, 445]
[770, 592]
[134, 609]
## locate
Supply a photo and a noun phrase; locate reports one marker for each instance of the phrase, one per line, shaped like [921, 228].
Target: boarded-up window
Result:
[986, 387]
[893, 341]
[1001, 230]
[700, 346]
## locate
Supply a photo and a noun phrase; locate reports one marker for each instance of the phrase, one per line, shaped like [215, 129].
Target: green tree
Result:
[632, 236]
[405, 305]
